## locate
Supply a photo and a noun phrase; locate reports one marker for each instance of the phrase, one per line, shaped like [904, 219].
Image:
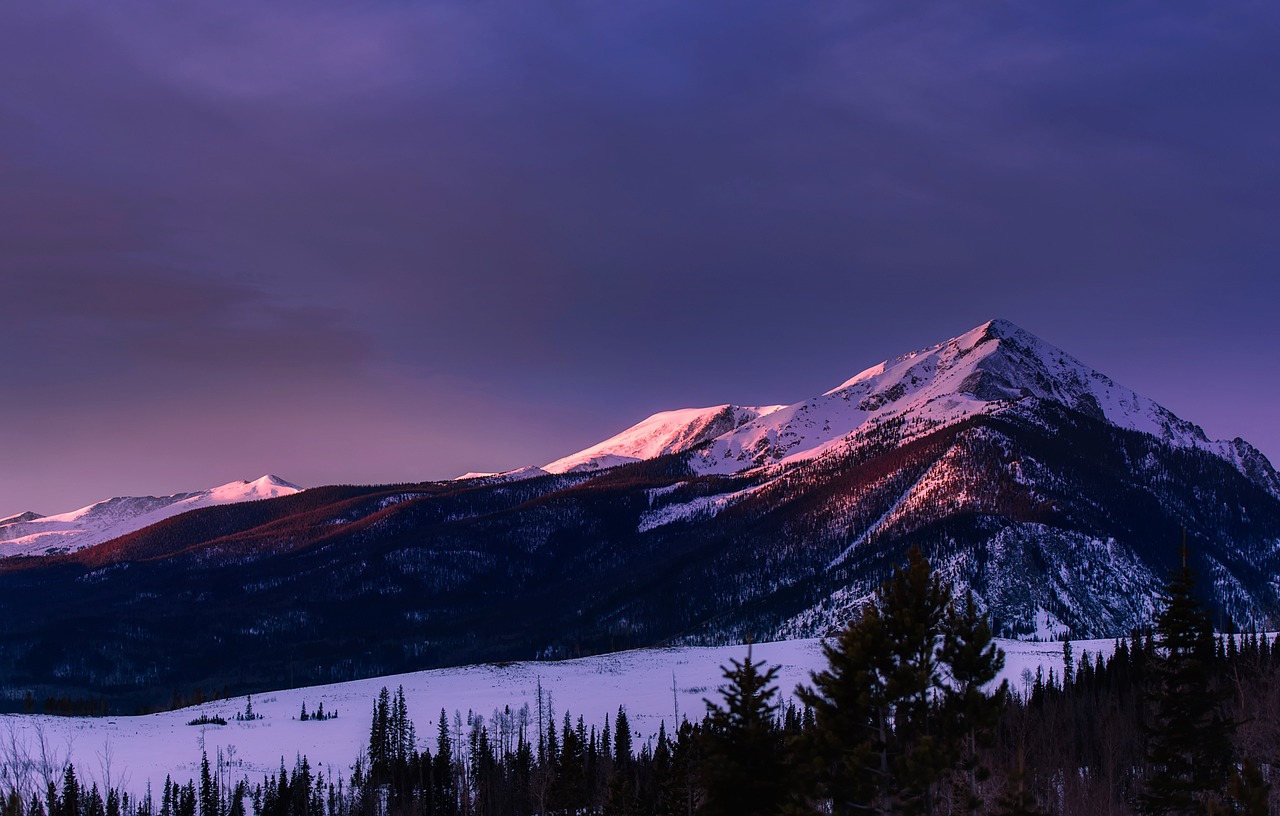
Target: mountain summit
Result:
[994, 368]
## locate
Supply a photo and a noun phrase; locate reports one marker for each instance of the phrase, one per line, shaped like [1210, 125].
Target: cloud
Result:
[590, 210]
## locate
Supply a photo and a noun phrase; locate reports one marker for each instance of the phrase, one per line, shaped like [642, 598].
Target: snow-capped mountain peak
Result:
[27, 516]
[33, 534]
[264, 487]
[991, 368]
[994, 367]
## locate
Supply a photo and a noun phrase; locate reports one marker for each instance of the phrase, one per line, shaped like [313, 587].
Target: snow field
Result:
[135, 751]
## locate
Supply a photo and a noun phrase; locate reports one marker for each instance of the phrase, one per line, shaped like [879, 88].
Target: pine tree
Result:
[1189, 738]
[621, 797]
[70, 793]
[888, 729]
[401, 744]
[444, 790]
[380, 739]
[208, 789]
[971, 713]
[876, 745]
[744, 769]
[622, 739]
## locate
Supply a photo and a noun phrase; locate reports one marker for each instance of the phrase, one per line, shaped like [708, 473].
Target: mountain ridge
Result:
[928, 388]
[1053, 494]
[28, 534]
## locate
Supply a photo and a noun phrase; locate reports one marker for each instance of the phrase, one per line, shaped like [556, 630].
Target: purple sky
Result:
[401, 240]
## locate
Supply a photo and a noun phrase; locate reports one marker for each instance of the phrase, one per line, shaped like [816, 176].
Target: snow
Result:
[519, 474]
[1048, 627]
[660, 434]
[27, 516]
[985, 370]
[878, 523]
[147, 748]
[703, 507]
[112, 518]
[993, 368]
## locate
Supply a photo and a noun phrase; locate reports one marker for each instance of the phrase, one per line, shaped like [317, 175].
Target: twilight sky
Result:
[399, 240]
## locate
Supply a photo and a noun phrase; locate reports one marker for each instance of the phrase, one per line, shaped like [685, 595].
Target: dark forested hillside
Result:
[905, 714]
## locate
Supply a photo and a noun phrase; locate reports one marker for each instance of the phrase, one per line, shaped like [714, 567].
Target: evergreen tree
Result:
[93, 805]
[1189, 738]
[70, 793]
[903, 705]
[622, 754]
[380, 739]
[877, 743]
[208, 788]
[621, 798]
[187, 800]
[444, 789]
[971, 713]
[846, 763]
[744, 763]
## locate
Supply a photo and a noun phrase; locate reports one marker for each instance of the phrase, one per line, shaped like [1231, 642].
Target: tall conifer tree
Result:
[744, 766]
[1189, 737]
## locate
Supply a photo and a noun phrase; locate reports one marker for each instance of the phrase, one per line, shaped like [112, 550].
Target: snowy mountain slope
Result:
[27, 516]
[987, 370]
[519, 474]
[993, 368]
[147, 748]
[32, 534]
[663, 433]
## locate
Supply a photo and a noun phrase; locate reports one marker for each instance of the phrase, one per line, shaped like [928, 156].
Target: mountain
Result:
[661, 434]
[33, 534]
[994, 368]
[1057, 496]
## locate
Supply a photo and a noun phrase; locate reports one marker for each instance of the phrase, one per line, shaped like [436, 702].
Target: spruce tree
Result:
[888, 729]
[70, 793]
[1189, 738]
[622, 755]
[208, 788]
[845, 760]
[971, 713]
[444, 789]
[873, 706]
[380, 739]
[744, 769]
[620, 800]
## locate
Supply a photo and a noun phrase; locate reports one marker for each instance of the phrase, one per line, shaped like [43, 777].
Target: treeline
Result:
[906, 718]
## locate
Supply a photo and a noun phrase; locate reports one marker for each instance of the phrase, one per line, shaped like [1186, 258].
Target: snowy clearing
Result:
[133, 751]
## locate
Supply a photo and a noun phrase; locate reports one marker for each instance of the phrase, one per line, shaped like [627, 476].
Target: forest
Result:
[904, 719]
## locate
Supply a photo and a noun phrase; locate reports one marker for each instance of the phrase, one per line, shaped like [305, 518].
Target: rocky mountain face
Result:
[1054, 494]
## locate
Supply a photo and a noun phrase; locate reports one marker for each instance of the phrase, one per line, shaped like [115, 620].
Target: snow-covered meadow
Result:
[655, 685]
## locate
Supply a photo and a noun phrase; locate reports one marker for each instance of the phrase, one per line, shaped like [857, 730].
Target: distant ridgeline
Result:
[1054, 494]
